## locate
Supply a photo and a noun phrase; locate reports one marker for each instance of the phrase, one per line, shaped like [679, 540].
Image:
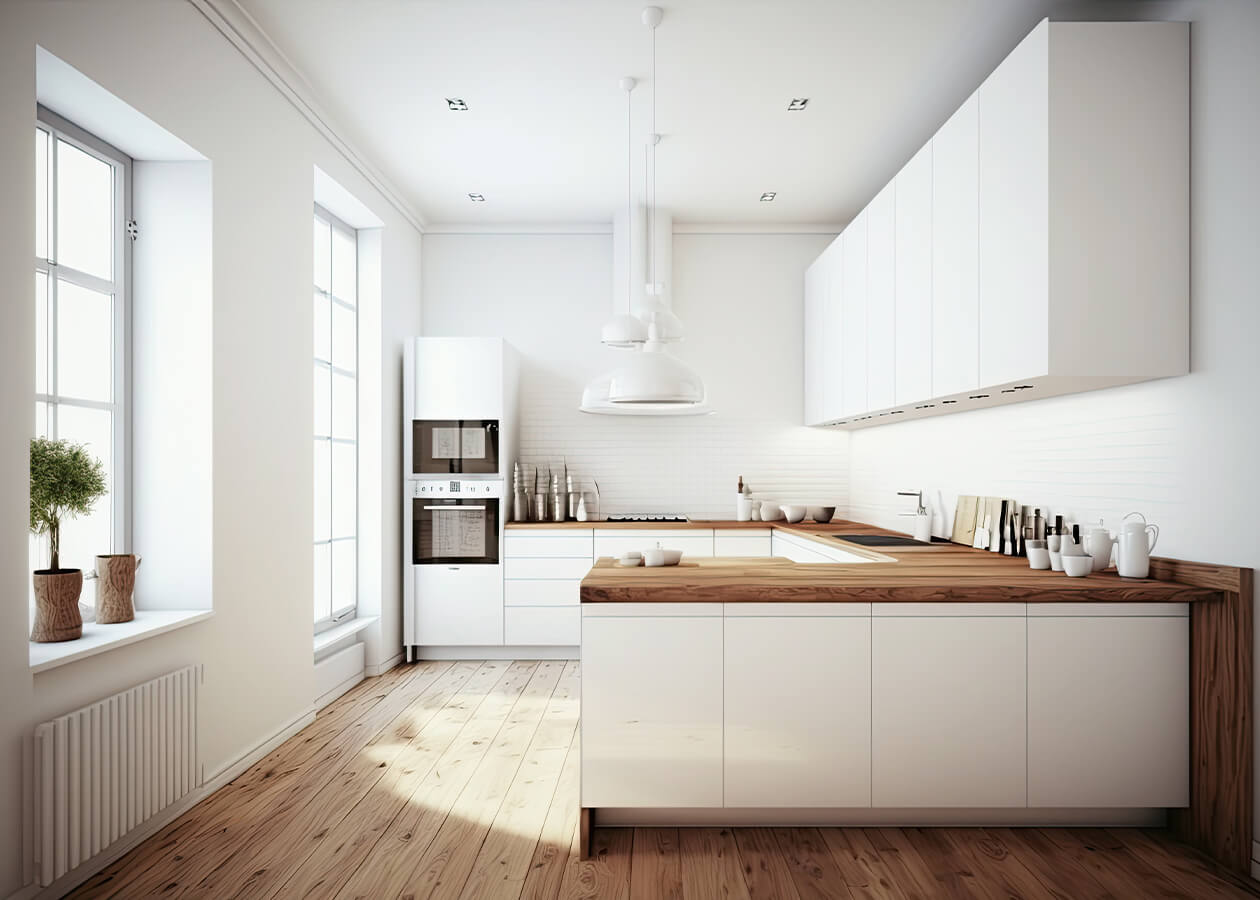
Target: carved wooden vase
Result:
[115, 582]
[57, 605]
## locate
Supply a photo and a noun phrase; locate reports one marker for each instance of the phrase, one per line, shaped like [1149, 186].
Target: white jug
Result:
[1137, 540]
[1098, 542]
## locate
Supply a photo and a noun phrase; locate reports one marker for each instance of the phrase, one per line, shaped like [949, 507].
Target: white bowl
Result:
[793, 513]
[771, 511]
[822, 514]
[654, 557]
[1076, 566]
[630, 559]
[672, 557]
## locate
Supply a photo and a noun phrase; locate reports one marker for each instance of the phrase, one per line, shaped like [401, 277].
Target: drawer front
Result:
[741, 545]
[691, 543]
[540, 592]
[548, 569]
[552, 545]
[542, 626]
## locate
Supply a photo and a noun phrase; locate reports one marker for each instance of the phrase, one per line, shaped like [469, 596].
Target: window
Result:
[336, 419]
[82, 260]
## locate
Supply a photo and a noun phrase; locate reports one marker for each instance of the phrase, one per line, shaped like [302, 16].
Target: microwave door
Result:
[455, 447]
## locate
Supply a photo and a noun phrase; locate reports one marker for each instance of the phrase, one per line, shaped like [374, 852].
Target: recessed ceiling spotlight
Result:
[769, 196]
[459, 105]
[476, 198]
[798, 104]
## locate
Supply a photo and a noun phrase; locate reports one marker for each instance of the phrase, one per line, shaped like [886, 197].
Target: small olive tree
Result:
[65, 480]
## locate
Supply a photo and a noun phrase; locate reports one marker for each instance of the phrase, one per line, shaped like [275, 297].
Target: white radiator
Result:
[105, 769]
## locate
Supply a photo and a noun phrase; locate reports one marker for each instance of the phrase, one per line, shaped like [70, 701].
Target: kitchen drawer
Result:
[542, 626]
[551, 544]
[541, 592]
[753, 543]
[692, 542]
[550, 569]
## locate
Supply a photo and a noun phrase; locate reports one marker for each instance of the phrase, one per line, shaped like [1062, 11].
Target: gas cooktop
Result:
[647, 517]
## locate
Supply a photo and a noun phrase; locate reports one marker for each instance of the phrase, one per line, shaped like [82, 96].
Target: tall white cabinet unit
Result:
[1041, 238]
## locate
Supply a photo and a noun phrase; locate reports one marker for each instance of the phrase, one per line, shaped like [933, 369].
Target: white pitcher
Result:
[1098, 542]
[1133, 553]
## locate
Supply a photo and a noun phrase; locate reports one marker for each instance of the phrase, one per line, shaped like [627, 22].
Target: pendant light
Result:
[624, 329]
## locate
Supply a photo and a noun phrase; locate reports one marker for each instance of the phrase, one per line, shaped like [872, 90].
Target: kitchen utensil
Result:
[1038, 558]
[793, 512]
[540, 507]
[558, 506]
[965, 520]
[1133, 549]
[582, 515]
[981, 540]
[1076, 566]
[771, 511]
[822, 514]
[1098, 543]
[1056, 560]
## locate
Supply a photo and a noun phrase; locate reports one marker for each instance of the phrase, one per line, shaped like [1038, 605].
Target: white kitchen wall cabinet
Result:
[652, 705]
[814, 339]
[1108, 706]
[949, 705]
[956, 252]
[833, 330]
[881, 299]
[1057, 249]
[742, 542]
[912, 321]
[853, 319]
[785, 746]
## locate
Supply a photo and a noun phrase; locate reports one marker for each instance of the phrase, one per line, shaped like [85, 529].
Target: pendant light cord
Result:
[629, 215]
[652, 221]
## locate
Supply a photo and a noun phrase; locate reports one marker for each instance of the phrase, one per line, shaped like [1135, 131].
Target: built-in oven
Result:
[454, 447]
[456, 523]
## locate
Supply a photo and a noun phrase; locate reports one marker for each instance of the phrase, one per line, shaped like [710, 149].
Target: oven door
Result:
[455, 531]
[455, 447]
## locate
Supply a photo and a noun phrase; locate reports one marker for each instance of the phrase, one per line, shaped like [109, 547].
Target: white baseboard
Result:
[335, 692]
[1015, 818]
[496, 652]
[383, 667]
[222, 776]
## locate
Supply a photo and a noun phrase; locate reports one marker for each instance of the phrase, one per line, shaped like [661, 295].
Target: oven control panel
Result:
[455, 488]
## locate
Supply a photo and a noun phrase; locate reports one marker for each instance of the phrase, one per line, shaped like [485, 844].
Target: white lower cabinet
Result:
[541, 590]
[742, 542]
[797, 551]
[542, 626]
[459, 605]
[1108, 707]
[948, 705]
[786, 746]
[652, 705]
[616, 541]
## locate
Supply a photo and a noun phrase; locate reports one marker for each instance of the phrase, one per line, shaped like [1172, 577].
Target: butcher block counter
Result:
[934, 573]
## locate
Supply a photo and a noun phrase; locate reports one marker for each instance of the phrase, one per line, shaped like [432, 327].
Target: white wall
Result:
[1182, 450]
[738, 296]
[165, 59]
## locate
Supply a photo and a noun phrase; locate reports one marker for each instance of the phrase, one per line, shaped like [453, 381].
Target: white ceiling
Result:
[544, 138]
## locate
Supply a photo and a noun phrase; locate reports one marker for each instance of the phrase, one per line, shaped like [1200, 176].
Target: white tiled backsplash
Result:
[687, 465]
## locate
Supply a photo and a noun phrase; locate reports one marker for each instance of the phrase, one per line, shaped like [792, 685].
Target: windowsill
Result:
[326, 639]
[102, 638]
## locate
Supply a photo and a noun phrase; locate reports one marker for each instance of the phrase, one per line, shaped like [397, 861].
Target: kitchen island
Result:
[908, 685]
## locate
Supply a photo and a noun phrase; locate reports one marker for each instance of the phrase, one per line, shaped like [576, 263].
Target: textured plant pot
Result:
[115, 582]
[57, 605]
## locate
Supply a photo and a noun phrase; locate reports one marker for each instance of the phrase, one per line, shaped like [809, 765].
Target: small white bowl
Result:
[672, 557]
[1077, 566]
[630, 559]
[822, 514]
[793, 512]
[771, 511]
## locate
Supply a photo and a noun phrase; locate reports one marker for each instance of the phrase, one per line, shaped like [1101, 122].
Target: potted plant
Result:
[66, 480]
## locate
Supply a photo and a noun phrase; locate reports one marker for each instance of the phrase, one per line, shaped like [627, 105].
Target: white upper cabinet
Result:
[956, 253]
[853, 320]
[1040, 239]
[833, 329]
[1014, 202]
[812, 343]
[881, 300]
[913, 281]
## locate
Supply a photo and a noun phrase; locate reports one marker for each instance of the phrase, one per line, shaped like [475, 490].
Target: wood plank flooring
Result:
[460, 780]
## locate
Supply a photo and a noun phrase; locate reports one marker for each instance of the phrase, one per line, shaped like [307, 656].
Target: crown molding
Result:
[232, 21]
[518, 228]
[744, 228]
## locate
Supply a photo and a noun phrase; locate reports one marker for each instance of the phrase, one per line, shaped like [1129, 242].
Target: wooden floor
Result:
[460, 779]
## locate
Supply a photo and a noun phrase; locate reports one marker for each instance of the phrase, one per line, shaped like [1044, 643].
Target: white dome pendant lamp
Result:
[651, 382]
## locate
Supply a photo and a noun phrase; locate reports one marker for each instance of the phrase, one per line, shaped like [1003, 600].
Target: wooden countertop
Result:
[662, 526]
[940, 573]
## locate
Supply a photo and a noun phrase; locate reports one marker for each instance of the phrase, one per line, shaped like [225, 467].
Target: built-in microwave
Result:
[454, 447]
[456, 523]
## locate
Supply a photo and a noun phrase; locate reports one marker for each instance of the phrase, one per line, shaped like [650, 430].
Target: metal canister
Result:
[540, 507]
[558, 507]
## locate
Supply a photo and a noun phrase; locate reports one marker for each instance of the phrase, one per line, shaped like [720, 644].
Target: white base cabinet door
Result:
[742, 542]
[1108, 711]
[459, 605]
[652, 708]
[616, 541]
[949, 707]
[798, 708]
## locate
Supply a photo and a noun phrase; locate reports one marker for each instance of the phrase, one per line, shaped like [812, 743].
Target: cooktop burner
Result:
[647, 517]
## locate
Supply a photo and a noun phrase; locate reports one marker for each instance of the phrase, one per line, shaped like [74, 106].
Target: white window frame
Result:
[59, 128]
[339, 615]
